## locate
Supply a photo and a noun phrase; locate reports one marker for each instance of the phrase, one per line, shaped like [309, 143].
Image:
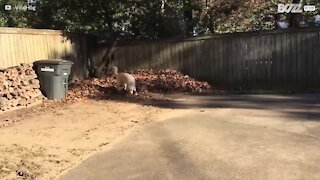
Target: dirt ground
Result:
[41, 143]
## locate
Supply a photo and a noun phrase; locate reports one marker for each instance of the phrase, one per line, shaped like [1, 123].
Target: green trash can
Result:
[53, 75]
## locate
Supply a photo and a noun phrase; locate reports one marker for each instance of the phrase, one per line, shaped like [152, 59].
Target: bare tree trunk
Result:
[106, 60]
[188, 17]
[294, 18]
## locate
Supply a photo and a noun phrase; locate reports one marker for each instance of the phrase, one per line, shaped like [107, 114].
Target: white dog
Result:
[125, 81]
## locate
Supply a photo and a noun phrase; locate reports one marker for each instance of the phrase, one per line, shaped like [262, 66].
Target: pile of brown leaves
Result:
[147, 81]
[168, 81]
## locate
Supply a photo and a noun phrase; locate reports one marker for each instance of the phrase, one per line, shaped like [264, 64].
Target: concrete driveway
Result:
[234, 137]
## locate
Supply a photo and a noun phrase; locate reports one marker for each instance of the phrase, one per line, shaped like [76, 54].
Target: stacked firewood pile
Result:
[19, 87]
[148, 81]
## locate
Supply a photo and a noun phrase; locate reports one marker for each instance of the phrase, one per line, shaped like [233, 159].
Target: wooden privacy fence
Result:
[29, 45]
[272, 58]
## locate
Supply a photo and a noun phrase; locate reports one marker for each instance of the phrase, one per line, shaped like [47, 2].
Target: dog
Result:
[125, 81]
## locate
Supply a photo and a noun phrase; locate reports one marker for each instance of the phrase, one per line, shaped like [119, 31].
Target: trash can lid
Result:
[53, 62]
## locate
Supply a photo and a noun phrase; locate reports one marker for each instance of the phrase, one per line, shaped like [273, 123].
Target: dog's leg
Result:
[118, 86]
[135, 91]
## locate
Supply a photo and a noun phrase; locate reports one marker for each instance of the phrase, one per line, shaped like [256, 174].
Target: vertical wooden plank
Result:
[317, 59]
[38, 48]
[307, 53]
[211, 61]
[18, 51]
[153, 55]
[170, 55]
[130, 60]
[135, 57]
[228, 59]
[3, 50]
[252, 61]
[187, 57]
[150, 55]
[288, 59]
[306, 44]
[9, 50]
[249, 63]
[56, 50]
[264, 59]
[255, 49]
[146, 59]
[34, 47]
[206, 61]
[240, 59]
[45, 47]
[160, 55]
[162, 47]
[304, 60]
[311, 69]
[270, 48]
[165, 54]
[159, 62]
[2, 59]
[221, 56]
[229, 62]
[13, 60]
[141, 55]
[216, 62]
[299, 59]
[313, 57]
[174, 55]
[237, 58]
[122, 56]
[28, 48]
[199, 59]
[193, 57]
[179, 55]
[24, 48]
[277, 63]
[224, 60]
[233, 52]
[294, 55]
[283, 58]
[119, 55]
[6, 47]
[48, 44]
[183, 56]
[42, 49]
[257, 58]
[244, 62]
